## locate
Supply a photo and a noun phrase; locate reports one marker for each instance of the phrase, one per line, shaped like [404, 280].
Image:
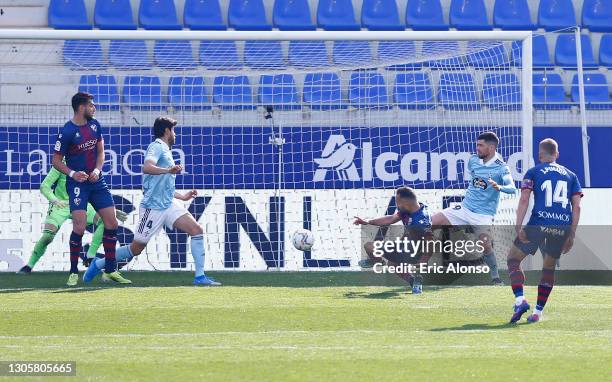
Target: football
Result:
[303, 239]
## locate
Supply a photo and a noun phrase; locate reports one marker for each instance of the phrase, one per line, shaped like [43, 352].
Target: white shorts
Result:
[459, 215]
[150, 221]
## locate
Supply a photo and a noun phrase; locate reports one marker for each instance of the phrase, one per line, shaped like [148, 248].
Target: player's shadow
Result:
[394, 293]
[468, 327]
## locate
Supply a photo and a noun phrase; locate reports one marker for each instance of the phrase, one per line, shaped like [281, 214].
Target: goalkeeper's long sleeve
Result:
[47, 184]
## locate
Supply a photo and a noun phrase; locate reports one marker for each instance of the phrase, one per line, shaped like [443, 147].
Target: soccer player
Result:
[158, 207]
[417, 226]
[81, 143]
[490, 176]
[53, 187]
[552, 226]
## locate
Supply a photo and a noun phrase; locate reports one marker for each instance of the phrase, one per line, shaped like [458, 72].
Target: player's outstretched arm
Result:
[382, 221]
[186, 196]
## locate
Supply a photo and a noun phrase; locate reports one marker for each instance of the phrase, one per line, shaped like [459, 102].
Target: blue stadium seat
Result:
[68, 14]
[565, 52]
[596, 91]
[501, 92]
[512, 15]
[308, 54]
[597, 15]
[605, 51]
[104, 89]
[219, 55]
[413, 91]
[441, 48]
[491, 58]
[158, 15]
[425, 15]
[380, 15]
[322, 91]
[83, 54]
[128, 54]
[233, 93]
[203, 15]
[540, 56]
[292, 15]
[457, 91]
[548, 92]
[278, 90]
[114, 14]
[469, 15]
[174, 54]
[142, 92]
[556, 14]
[263, 55]
[352, 53]
[367, 90]
[336, 15]
[399, 50]
[188, 93]
[247, 15]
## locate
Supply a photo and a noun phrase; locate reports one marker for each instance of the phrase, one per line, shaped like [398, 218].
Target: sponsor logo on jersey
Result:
[88, 145]
[553, 215]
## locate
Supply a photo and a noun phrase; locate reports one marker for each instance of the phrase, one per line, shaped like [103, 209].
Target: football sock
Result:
[41, 247]
[545, 287]
[96, 241]
[122, 254]
[76, 247]
[109, 240]
[517, 279]
[197, 251]
[491, 261]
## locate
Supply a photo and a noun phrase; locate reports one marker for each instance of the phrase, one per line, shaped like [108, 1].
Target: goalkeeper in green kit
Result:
[53, 188]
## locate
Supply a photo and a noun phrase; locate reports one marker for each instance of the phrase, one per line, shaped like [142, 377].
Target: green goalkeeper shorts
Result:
[57, 216]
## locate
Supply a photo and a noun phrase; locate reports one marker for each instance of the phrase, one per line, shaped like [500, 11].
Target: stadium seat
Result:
[203, 15]
[128, 54]
[425, 15]
[512, 15]
[158, 15]
[174, 54]
[336, 15]
[114, 14]
[83, 54]
[469, 15]
[380, 15]
[501, 92]
[457, 91]
[308, 54]
[219, 55]
[142, 92]
[68, 14]
[493, 57]
[352, 53]
[367, 90]
[292, 15]
[565, 52]
[263, 55]
[322, 91]
[605, 51]
[596, 91]
[548, 92]
[399, 50]
[247, 15]
[104, 89]
[413, 91]
[443, 48]
[233, 93]
[556, 14]
[188, 93]
[540, 56]
[597, 15]
[278, 90]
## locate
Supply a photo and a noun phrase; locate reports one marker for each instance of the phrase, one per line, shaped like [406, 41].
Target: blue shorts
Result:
[549, 239]
[97, 194]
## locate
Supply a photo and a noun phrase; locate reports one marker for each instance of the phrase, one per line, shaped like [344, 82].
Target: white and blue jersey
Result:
[480, 197]
[553, 186]
[158, 189]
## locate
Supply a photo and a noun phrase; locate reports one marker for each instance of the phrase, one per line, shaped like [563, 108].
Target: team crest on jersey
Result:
[93, 127]
[77, 201]
[77, 135]
[479, 183]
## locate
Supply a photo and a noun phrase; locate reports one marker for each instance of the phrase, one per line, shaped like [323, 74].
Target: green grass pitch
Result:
[308, 326]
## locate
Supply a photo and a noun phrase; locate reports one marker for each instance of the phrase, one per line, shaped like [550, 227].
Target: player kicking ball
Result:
[490, 176]
[551, 227]
[53, 187]
[81, 143]
[417, 226]
[158, 207]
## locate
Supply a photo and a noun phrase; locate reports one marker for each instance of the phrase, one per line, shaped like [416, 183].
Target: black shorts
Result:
[549, 239]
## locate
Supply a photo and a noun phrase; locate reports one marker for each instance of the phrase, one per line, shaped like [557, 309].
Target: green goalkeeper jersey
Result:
[57, 178]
